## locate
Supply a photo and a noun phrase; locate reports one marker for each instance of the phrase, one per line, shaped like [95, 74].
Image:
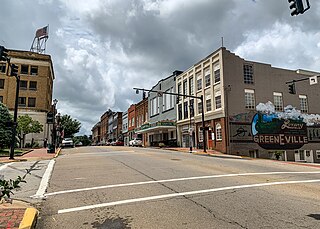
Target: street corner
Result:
[29, 218]
[57, 152]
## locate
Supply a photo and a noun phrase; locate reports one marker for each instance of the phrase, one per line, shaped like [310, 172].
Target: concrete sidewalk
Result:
[211, 153]
[19, 214]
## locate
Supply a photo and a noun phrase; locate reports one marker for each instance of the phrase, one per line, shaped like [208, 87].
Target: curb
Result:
[226, 156]
[57, 153]
[29, 219]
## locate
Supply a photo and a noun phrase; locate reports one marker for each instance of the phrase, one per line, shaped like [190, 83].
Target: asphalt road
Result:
[122, 187]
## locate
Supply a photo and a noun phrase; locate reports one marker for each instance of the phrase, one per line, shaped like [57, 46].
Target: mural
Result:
[275, 130]
[270, 132]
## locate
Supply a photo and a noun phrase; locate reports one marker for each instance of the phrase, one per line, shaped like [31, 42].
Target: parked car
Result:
[67, 142]
[119, 143]
[135, 142]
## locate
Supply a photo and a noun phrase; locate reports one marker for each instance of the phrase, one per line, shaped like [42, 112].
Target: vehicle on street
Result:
[67, 142]
[135, 142]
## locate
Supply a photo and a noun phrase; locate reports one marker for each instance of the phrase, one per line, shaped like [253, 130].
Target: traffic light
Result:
[3, 54]
[14, 70]
[297, 7]
[292, 88]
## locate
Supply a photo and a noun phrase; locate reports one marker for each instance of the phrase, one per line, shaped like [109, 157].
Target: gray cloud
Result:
[102, 49]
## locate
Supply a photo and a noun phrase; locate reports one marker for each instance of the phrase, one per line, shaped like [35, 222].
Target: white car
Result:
[67, 142]
[135, 142]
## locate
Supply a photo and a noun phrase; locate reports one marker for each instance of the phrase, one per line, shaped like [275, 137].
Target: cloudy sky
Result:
[101, 49]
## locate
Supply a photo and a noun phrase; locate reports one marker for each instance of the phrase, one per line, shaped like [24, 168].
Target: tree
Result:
[26, 125]
[70, 126]
[5, 129]
[85, 140]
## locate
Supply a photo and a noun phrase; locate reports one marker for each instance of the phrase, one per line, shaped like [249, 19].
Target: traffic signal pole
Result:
[190, 96]
[15, 116]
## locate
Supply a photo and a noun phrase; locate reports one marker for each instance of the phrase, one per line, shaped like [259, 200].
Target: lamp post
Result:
[54, 134]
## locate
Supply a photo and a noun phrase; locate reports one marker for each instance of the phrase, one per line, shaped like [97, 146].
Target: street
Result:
[122, 187]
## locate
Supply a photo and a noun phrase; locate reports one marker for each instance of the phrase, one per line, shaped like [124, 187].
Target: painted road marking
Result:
[173, 180]
[44, 181]
[3, 167]
[128, 201]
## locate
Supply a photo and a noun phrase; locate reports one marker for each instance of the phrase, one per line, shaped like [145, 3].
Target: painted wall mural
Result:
[289, 129]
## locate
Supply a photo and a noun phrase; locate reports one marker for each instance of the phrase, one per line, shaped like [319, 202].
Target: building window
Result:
[191, 107]
[318, 154]
[191, 86]
[207, 77]
[199, 81]
[180, 112]
[208, 103]
[278, 102]
[22, 101]
[2, 67]
[186, 108]
[249, 99]
[248, 74]
[217, 99]
[24, 69]
[216, 71]
[23, 85]
[31, 102]
[218, 132]
[185, 87]
[33, 85]
[168, 100]
[199, 107]
[200, 135]
[34, 70]
[1, 99]
[154, 106]
[303, 103]
[1, 83]
[179, 90]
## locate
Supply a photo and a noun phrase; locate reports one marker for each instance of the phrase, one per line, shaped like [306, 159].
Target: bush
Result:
[6, 187]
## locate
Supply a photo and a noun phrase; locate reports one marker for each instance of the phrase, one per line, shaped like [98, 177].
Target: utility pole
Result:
[190, 96]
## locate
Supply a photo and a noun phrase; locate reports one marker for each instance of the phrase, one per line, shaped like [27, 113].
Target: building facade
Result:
[125, 128]
[142, 118]
[35, 93]
[232, 87]
[131, 122]
[161, 127]
[96, 134]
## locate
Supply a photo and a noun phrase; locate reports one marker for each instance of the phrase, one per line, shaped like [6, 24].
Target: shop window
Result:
[218, 132]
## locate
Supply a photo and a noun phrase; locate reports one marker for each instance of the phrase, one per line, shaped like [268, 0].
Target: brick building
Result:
[36, 86]
[232, 87]
[142, 118]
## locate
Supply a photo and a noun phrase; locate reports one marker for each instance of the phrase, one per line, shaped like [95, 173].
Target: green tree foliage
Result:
[5, 131]
[70, 126]
[85, 140]
[26, 125]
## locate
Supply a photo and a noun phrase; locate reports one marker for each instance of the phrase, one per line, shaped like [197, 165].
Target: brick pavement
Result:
[10, 218]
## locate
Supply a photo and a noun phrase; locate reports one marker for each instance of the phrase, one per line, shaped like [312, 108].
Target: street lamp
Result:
[54, 134]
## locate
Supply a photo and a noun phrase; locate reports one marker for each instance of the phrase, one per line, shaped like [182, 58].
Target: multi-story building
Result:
[96, 133]
[125, 127]
[131, 122]
[117, 126]
[36, 86]
[104, 125]
[142, 118]
[232, 87]
[161, 127]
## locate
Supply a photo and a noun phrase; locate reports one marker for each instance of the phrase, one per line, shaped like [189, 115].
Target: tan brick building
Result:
[232, 87]
[36, 86]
